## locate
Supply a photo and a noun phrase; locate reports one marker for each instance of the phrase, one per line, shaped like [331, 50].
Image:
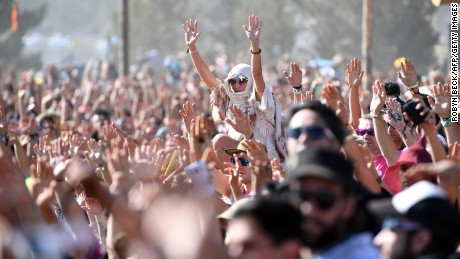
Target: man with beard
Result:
[420, 223]
[322, 185]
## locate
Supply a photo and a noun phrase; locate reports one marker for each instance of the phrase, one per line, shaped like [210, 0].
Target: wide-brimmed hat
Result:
[239, 149]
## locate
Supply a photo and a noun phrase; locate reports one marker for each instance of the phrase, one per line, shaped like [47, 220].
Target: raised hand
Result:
[88, 204]
[191, 32]
[395, 117]
[446, 169]
[234, 179]
[334, 101]
[255, 26]
[95, 149]
[240, 121]
[44, 144]
[408, 69]
[108, 133]
[441, 104]
[256, 152]
[43, 186]
[378, 98]
[308, 97]
[123, 134]
[199, 137]
[278, 174]
[295, 76]
[117, 160]
[126, 136]
[188, 113]
[59, 150]
[180, 141]
[144, 168]
[354, 73]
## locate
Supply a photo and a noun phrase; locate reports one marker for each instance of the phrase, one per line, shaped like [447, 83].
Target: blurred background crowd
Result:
[326, 162]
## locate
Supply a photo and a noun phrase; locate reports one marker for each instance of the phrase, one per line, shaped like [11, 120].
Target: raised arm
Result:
[395, 119]
[253, 33]
[354, 76]
[295, 80]
[191, 36]
[409, 77]
[384, 140]
[441, 106]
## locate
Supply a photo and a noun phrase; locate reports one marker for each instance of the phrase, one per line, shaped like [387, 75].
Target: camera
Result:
[413, 113]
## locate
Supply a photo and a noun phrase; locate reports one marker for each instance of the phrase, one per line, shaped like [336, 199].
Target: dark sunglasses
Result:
[243, 161]
[241, 80]
[324, 200]
[401, 224]
[362, 132]
[238, 77]
[313, 132]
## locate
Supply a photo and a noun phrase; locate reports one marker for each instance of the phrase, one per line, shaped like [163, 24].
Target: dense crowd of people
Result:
[228, 160]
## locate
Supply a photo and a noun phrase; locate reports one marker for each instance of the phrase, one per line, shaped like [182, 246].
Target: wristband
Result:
[250, 137]
[373, 116]
[297, 87]
[256, 53]
[413, 86]
[349, 137]
[297, 91]
[447, 122]
[404, 132]
[192, 51]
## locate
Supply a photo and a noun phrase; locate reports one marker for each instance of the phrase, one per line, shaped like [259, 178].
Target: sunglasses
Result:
[362, 132]
[313, 132]
[238, 77]
[324, 200]
[402, 224]
[233, 81]
[243, 161]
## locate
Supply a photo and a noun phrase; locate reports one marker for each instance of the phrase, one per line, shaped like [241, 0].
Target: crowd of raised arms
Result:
[228, 160]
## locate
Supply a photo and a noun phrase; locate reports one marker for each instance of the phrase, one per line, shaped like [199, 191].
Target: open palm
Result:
[255, 26]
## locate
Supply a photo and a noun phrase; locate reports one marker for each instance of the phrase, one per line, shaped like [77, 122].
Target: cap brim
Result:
[315, 171]
[382, 208]
[231, 151]
[228, 213]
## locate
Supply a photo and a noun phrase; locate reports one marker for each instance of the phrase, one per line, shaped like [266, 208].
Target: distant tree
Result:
[11, 44]
[401, 28]
[155, 24]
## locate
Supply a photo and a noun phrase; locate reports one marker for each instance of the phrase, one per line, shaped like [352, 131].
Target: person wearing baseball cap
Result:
[420, 222]
[321, 184]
